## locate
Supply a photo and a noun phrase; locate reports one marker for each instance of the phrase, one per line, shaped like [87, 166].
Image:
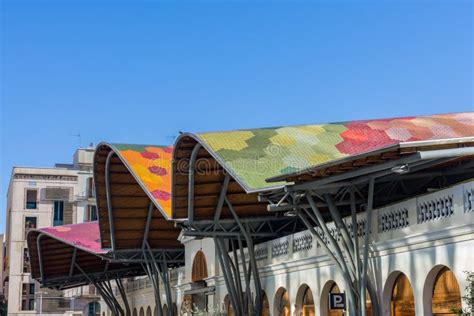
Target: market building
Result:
[282, 221]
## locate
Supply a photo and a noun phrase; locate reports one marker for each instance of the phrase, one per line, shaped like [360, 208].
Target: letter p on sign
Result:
[337, 301]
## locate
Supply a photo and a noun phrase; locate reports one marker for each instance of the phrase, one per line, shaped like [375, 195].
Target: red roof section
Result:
[84, 236]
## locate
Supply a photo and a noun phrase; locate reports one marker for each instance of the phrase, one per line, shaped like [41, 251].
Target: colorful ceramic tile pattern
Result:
[152, 166]
[258, 154]
[84, 236]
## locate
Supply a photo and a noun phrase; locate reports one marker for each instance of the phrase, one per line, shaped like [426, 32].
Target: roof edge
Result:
[140, 183]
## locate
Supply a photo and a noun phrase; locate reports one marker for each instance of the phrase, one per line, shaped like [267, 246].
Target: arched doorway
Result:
[199, 269]
[265, 306]
[281, 305]
[446, 297]
[332, 288]
[148, 311]
[228, 306]
[142, 312]
[402, 302]
[175, 309]
[135, 312]
[165, 310]
[305, 301]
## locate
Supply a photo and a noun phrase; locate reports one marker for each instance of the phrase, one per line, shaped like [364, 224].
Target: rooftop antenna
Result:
[79, 139]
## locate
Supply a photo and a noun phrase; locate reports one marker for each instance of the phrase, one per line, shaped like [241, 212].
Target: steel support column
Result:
[153, 276]
[109, 200]
[123, 294]
[253, 263]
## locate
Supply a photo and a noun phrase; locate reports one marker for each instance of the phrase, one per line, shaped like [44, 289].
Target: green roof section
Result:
[254, 155]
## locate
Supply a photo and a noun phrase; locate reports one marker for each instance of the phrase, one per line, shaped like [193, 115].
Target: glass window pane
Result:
[31, 199]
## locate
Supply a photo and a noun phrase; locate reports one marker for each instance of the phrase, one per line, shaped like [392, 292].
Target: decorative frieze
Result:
[469, 200]
[394, 219]
[48, 177]
[435, 209]
[360, 231]
[261, 253]
[303, 243]
[280, 248]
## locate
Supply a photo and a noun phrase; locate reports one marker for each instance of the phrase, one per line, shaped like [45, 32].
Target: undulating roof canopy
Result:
[139, 175]
[254, 155]
[56, 251]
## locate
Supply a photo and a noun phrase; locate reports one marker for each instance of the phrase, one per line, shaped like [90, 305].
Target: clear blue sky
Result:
[140, 71]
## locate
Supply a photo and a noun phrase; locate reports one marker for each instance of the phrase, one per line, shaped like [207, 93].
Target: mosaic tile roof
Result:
[84, 236]
[255, 155]
[151, 166]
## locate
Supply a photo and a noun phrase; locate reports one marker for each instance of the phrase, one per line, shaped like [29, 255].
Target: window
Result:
[26, 261]
[30, 223]
[28, 297]
[58, 215]
[94, 309]
[31, 199]
[90, 187]
[91, 214]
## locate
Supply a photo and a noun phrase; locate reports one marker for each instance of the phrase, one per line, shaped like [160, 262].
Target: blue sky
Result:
[140, 71]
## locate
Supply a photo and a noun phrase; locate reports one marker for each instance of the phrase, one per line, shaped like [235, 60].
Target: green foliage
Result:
[3, 306]
[468, 298]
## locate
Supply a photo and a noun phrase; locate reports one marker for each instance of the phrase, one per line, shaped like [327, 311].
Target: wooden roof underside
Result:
[209, 177]
[130, 206]
[57, 259]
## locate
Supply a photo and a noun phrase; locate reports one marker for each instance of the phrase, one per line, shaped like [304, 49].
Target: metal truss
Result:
[232, 235]
[103, 285]
[155, 262]
[342, 195]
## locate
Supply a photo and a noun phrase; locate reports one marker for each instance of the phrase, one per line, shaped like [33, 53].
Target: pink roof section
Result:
[84, 236]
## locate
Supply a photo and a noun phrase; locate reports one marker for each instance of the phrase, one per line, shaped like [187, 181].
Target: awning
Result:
[55, 252]
[139, 180]
[254, 155]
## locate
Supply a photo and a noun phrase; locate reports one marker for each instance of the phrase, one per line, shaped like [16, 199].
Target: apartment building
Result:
[42, 197]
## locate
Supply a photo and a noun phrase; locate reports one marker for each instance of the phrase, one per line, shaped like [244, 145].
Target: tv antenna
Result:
[79, 139]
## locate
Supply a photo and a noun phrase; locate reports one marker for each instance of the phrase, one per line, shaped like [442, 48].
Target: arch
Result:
[165, 310]
[305, 301]
[148, 311]
[135, 312]
[199, 269]
[265, 305]
[329, 287]
[228, 306]
[175, 309]
[398, 297]
[281, 303]
[142, 312]
[441, 292]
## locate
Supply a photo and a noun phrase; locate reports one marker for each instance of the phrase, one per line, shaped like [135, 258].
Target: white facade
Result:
[42, 197]
[416, 237]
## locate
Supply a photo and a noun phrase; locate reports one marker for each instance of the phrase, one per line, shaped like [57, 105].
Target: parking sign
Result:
[337, 301]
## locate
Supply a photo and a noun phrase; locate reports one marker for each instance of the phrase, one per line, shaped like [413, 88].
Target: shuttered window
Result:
[199, 270]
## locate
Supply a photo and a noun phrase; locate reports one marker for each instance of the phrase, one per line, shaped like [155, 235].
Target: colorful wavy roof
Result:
[84, 236]
[255, 155]
[151, 166]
